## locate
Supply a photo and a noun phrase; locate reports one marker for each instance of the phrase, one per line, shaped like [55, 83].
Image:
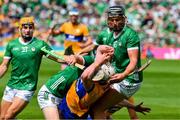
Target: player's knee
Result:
[11, 113]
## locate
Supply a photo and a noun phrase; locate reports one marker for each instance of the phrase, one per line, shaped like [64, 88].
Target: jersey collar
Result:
[116, 36]
[24, 43]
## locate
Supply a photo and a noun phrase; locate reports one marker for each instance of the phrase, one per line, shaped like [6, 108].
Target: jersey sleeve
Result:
[99, 39]
[85, 31]
[8, 51]
[47, 47]
[62, 28]
[88, 60]
[133, 41]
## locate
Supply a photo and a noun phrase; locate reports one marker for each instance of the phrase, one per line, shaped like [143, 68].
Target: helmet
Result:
[74, 12]
[114, 11]
[116, 18]
[104, 73]
[26, 20]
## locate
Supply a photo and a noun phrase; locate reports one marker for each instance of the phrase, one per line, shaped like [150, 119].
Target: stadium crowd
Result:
[157, 21]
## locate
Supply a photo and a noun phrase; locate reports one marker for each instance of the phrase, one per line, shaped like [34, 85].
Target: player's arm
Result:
[88, 41]
[55, 31]
[56, 59]
[4, 66]
[133, 56]
[138, 108]
[87, 49]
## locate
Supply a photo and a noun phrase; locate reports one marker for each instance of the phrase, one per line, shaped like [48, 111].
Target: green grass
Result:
[159, 91]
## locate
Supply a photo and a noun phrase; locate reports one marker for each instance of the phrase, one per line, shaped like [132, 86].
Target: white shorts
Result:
[10, 93]
[126, 88]
[46, 98]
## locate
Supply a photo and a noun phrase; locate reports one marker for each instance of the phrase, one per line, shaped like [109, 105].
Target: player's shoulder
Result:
[128, 30]
[38, 41]
[67, 23]
[82, 25]
[105, 31]
[13, 41]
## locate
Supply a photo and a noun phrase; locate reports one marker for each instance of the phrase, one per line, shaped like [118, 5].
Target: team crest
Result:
[33, 49]
[77, 31]
[120, 44]
[115, 44]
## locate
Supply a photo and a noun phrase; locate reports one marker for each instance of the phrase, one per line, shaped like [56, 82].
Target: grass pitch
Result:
[160, 91]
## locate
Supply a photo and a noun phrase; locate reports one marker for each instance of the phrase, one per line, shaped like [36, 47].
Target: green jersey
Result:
[127, 40]
[103, 36]
[25, 60]
[60, 83]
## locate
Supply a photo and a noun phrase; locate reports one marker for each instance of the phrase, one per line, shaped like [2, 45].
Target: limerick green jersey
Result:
[103, 36]
[127, 40]
[25, 60]
[60, 83]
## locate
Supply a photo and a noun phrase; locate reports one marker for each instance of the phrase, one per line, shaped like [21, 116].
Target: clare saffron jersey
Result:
[77, 101]
[74, 34]
[25, 59]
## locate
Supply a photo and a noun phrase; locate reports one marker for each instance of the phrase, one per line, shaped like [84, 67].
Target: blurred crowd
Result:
[157, 21]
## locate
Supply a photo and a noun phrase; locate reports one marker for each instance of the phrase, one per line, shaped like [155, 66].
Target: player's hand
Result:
[50, 31]
[105, 49]
[142, 109]
[70, 60]
[102, 58]
[116, 78]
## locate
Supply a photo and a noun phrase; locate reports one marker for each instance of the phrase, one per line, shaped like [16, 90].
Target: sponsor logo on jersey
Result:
[120, 44]
[104, 39]
[33, 49]
[15, 49]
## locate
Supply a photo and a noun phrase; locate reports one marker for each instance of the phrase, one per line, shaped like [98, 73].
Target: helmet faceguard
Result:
[26, 27]
[104, 73]
[116, 18]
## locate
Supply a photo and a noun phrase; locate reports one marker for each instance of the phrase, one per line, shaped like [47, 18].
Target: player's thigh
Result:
[16, 107]
[20, 100]
[47, 99]
[4, 107]
[109, 99]
[51, 113]
[7, 100]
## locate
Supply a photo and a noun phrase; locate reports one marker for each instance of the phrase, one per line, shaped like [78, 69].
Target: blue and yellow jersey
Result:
[77, 101]
[74, 35]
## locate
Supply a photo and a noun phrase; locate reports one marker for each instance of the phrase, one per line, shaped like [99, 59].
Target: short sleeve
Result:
[8, 51]
[62, 28]
[47, 47]
[99, 39]
[85, 31]
[88, 60]
[133, 41]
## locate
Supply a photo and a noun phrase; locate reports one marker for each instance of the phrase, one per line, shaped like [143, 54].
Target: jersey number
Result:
[24, 49]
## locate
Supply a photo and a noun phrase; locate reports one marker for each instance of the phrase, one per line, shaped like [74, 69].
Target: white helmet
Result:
[104, 73]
